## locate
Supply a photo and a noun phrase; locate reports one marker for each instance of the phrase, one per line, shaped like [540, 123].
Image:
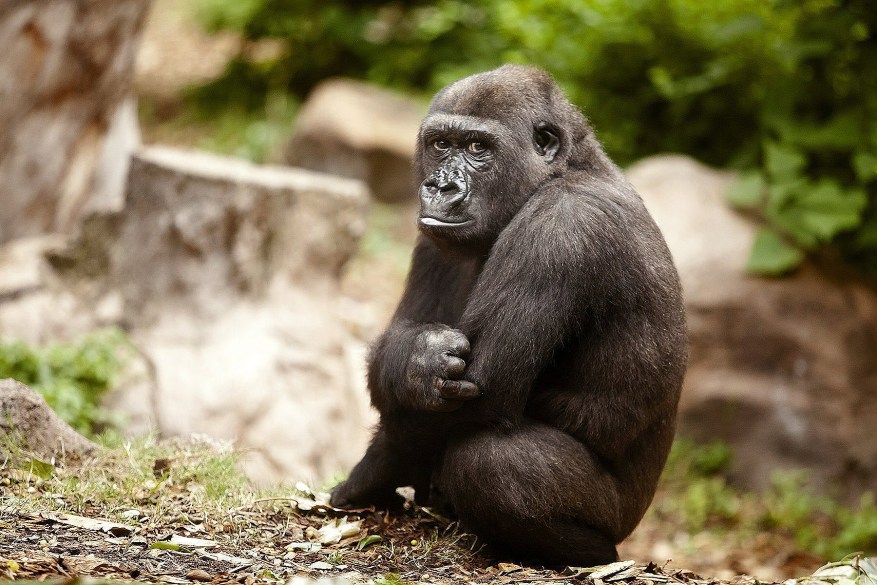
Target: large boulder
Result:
[225, 276]
[785, 370]
[355, 130]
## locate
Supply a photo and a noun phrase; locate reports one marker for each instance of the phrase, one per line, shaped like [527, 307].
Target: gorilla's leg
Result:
[534, 492]
[388, 463]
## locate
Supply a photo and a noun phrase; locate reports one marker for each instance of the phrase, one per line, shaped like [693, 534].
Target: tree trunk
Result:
[67, 117]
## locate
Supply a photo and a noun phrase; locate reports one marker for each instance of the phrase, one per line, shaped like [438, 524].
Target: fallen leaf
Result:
[332, 532]
[368, 541]
[89, 523]
[321, 566]
[190, 542]
[131, 514]
[42, 469]
[304, 546]
[199, 575]
[611, 569]
[507, 567]
[304, 488]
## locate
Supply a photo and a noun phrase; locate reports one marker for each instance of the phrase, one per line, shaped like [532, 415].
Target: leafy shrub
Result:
[784, 89]
[73, 378]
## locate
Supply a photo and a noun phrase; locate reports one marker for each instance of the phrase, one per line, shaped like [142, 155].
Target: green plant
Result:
[390, 579]
[696, 494]
[73, 377]
[784, 90]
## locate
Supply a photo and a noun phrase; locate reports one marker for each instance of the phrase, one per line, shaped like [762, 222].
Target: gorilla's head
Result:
[487, 144]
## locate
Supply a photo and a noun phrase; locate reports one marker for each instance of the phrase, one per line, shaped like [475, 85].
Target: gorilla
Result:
[530, 376]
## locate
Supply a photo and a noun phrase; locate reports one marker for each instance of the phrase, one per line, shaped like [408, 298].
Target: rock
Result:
[33, 308]
[25, 416]
[68, 121]
[355, 130]
[199, 232]
[225, 276]
[785, 370]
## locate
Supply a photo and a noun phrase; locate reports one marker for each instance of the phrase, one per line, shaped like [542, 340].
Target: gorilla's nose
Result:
[448, 193]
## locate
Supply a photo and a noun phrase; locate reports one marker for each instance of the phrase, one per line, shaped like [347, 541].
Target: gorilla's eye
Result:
[441, 145]
[476, 148]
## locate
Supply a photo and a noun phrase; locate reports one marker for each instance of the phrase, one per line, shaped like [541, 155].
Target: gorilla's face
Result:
[477, 170]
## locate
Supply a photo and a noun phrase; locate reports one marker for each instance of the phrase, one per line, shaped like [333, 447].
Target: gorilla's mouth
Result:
[435, 222]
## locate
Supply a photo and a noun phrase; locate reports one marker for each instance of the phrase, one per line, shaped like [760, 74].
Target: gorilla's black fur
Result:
[531, 373]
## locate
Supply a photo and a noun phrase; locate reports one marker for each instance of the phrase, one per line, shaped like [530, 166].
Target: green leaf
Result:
[367, 541]
[865, 165]
[814, 212]
[42, 469]
[783, 162]
[841, 132]
[771, 255]
[747, 192]
[162, 545]
[826, 209]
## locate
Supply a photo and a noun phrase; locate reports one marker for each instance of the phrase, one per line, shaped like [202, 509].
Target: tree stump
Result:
[67, 119]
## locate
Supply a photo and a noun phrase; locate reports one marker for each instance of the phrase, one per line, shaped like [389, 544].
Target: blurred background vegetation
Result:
[783, 90]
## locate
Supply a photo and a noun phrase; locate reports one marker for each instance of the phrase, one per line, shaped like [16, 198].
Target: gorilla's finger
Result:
[454, 367]
[459, 390]
[459, 345]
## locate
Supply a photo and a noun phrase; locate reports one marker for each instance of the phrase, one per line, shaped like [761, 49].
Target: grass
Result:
[194, 489]
[144, 474]
[165, 488]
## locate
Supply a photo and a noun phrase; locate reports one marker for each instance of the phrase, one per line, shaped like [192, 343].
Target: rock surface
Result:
[68, 123]
[225, 276]
[785, 370]
[355, 130]
[30, 422]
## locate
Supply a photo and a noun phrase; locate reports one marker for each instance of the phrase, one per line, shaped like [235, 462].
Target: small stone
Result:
[199, 575]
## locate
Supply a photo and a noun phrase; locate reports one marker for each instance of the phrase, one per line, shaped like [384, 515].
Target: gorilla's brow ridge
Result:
[441, 122]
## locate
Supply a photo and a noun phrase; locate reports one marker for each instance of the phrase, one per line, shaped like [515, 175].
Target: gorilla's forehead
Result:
[451, 123]
[507, 93]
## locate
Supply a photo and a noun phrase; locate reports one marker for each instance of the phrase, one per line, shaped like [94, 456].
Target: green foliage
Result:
[696, 493]
[390, 579]
[786, 89]
[72, 377]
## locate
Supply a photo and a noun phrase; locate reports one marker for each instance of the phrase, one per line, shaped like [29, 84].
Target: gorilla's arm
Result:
[418, 362]
[543, 283]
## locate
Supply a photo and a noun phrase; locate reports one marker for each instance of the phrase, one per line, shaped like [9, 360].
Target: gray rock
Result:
[225, 275]
[30, 423]
[68, 121]
[785, 370]
[355, 130]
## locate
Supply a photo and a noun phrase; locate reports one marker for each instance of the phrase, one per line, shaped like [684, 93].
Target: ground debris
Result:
[161, 528]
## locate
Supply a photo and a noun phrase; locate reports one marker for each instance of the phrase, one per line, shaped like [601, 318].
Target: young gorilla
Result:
[531, 373]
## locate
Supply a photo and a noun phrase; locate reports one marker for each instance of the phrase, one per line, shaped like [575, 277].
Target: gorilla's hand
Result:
[434, 374]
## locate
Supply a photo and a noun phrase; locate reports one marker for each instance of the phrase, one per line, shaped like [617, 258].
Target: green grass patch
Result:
[72, 377]
[162, 480]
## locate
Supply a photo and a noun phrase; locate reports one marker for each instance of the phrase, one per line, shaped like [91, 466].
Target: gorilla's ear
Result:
[546, 140]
